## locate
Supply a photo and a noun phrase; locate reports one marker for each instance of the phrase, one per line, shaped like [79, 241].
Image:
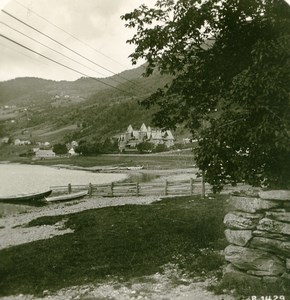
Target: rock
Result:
[270, 235]
[259, 273]
[275, 195]
[231, 273]
[238, 237]
[274, 226]
[254, 260]
[251, 204]
[274, 246]
[286, 205]
[288, 263]
[240, 220]
[271, 279]
[279, 216]
[286, 276]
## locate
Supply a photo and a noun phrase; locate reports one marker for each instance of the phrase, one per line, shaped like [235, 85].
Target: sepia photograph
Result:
[145, 149]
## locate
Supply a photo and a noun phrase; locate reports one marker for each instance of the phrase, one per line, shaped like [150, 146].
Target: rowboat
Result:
[135, 168]
[67, 197]
[26, 197]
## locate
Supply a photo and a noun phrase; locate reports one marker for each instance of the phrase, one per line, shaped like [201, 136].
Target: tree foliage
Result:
[231, 61]
[145, 147]
[60, 149]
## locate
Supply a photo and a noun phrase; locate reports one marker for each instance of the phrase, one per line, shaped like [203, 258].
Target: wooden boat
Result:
[26, 197]
[135, 168]
[67, 197]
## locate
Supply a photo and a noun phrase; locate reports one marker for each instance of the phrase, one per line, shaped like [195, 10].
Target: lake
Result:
[20, 179]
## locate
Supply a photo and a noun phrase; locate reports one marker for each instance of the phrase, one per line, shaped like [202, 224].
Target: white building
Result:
[131, 138]
[44, 154]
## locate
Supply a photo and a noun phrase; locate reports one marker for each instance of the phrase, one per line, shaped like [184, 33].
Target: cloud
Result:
[96, 23]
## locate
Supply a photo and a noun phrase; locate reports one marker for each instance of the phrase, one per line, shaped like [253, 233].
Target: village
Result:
[144, 140]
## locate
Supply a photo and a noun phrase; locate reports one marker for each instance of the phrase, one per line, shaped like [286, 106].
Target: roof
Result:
[168, 135]
[143, 128]
[130, 129]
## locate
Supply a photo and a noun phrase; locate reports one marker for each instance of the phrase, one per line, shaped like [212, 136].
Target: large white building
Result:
[131, 138]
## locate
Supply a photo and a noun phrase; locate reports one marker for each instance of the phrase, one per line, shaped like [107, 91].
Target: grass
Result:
[122, 160]
[125, 242]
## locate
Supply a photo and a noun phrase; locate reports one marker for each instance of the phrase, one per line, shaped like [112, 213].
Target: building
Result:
[131, 138]
[44, 154]
[5, 140]
[19, 142]
[72, 152]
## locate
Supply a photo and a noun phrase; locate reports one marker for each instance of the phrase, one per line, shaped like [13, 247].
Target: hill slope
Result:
[46, 110]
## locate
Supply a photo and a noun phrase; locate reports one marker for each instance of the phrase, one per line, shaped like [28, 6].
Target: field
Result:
[173, 160]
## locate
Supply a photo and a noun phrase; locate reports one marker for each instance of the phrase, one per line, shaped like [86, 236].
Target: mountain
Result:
[59, 111]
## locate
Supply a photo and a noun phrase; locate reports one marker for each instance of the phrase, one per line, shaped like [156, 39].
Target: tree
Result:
[145, 147]
[60, 149]
[231, 61]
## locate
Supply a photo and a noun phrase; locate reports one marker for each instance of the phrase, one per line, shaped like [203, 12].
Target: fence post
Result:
[191, 186]
[166, 188]
[137, 188]
[112, 189]
[69, 188]
[90, 190]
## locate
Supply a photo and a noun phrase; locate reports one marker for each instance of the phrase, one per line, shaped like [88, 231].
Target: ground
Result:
[169, 284]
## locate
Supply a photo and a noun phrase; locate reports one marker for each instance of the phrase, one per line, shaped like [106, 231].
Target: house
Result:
[72, 152]
[19, 142]
[44, 154]
[5, 140]
[131, 138]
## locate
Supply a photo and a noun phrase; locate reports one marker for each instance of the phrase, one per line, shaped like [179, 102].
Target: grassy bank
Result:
[126, 241]
[151, 161]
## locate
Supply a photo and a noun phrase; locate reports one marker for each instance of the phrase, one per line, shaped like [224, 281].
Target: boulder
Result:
[288, 263]
[251, 204]
[240, 220]
[231, 273]
[238, 237]
[286, 276]
[271, 235]
[273, 280]
[279, 216]
[275, 195]
[254, 260]
[274, 226]
[286, 205]
[271, 245]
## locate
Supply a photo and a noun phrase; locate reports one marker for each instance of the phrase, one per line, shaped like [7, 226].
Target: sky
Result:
[101, 38]
[97, 23]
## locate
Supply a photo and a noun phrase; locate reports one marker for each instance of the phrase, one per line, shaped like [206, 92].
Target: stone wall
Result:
[258, 230]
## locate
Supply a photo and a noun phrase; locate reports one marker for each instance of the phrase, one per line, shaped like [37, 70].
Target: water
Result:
[21, 179]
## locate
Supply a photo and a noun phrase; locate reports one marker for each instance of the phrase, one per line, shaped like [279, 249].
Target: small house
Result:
[44, 154]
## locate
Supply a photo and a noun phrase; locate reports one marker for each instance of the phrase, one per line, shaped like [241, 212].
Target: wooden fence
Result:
[118, 189]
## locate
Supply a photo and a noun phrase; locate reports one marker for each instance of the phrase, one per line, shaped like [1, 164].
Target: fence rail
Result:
[184, 187]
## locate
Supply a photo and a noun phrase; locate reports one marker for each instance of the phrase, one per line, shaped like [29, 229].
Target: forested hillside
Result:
[46, 110]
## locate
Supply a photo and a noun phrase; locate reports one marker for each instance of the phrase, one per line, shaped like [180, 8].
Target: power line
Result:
[76, 38]
[55, 50]
[30, 57]
[63, 65]
[54, 40]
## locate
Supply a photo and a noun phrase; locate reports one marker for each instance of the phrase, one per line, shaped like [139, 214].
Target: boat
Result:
[67, 197]
[26, 197]
[135, 168]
